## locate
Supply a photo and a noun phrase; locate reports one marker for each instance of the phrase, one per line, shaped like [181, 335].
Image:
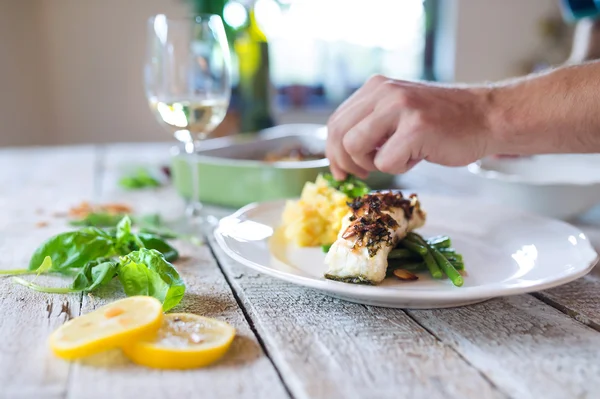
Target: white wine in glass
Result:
[188, 82]
[192, 117]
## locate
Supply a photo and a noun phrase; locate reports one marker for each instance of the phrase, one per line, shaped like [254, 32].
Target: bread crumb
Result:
[85, 208]
[41, 224]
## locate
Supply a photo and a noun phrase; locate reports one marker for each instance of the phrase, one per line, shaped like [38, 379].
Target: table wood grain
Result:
[292, 342]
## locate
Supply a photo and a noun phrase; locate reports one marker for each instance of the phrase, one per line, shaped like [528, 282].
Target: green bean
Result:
[454, 258]
[458, 265]
[410, 266]
[414, 247]
[447, 267]
[452, 255]
[448, 249]
[415, 237]
[432, 265]
[401, 254]
[436, 239]
[440, 243]
[447, 253]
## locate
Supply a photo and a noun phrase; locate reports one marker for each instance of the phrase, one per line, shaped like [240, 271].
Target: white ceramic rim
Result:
[478, 170]
[383, 293]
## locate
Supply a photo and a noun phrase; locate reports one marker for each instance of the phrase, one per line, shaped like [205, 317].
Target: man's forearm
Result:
[553, 112]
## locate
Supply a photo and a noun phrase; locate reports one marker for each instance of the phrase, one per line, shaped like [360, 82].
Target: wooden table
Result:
[292, 342]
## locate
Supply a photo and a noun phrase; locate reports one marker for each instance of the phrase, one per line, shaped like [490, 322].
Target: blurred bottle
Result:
[431, 21]
[252, 51]
[214, 7]
[251, 91]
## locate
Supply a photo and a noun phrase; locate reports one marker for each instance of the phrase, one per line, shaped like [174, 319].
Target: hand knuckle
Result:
[420, 119]
[402, 98]
[377, 78]
[388, 88]
[351, 145]
[333, 132]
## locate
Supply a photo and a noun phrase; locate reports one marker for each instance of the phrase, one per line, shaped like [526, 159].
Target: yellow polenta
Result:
[316, 218]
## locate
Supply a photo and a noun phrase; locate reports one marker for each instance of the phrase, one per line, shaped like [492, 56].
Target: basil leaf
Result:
[95, 274]
[98, 219]
[136, 280]
[126, 240]
[147, 272]
[140, 179]
[152, 241]
[149, 220]
[123, 229]
[152, 223]
[73, 249]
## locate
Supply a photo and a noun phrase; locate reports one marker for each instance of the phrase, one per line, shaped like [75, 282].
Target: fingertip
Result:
[337, 173]
[363, 176]
[411, 164]
[380, 163]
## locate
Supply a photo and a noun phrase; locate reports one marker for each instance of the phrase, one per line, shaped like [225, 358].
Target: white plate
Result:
[506, 252]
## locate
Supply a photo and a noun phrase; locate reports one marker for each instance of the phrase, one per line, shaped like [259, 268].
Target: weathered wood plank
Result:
[579, 299]
[34, 183]
[327, 348]
[528, 349]
[245, 372]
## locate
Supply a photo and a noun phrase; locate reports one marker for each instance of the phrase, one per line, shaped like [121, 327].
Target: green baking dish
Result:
[232, 172]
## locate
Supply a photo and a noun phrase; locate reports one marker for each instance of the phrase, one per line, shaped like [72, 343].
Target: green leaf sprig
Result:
[139, 180]
[141, 261]
[352, 186]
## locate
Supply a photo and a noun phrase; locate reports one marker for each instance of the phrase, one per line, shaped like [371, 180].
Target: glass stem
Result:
[194, 205]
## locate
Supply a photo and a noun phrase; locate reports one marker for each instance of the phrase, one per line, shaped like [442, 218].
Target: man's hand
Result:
[390, 125]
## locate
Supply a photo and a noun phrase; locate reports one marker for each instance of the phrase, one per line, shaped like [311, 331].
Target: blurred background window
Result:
[71, 71]
[312, 54]
[322, 50]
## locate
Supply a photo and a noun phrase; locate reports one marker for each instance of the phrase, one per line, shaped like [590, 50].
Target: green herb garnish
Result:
[95, 274]
[73, 249]
[98, 219]
[97, 256]
[150, 223]
[351, 185]
[147, 272]
[139, 180]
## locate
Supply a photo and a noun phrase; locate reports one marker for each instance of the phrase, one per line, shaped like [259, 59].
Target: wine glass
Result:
[188, 83]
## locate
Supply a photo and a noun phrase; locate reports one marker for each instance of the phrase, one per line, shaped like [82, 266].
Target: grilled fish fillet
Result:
[369, 232]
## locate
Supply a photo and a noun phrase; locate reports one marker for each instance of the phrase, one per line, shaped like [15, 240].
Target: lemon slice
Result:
[108, 327]
[184, 341]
